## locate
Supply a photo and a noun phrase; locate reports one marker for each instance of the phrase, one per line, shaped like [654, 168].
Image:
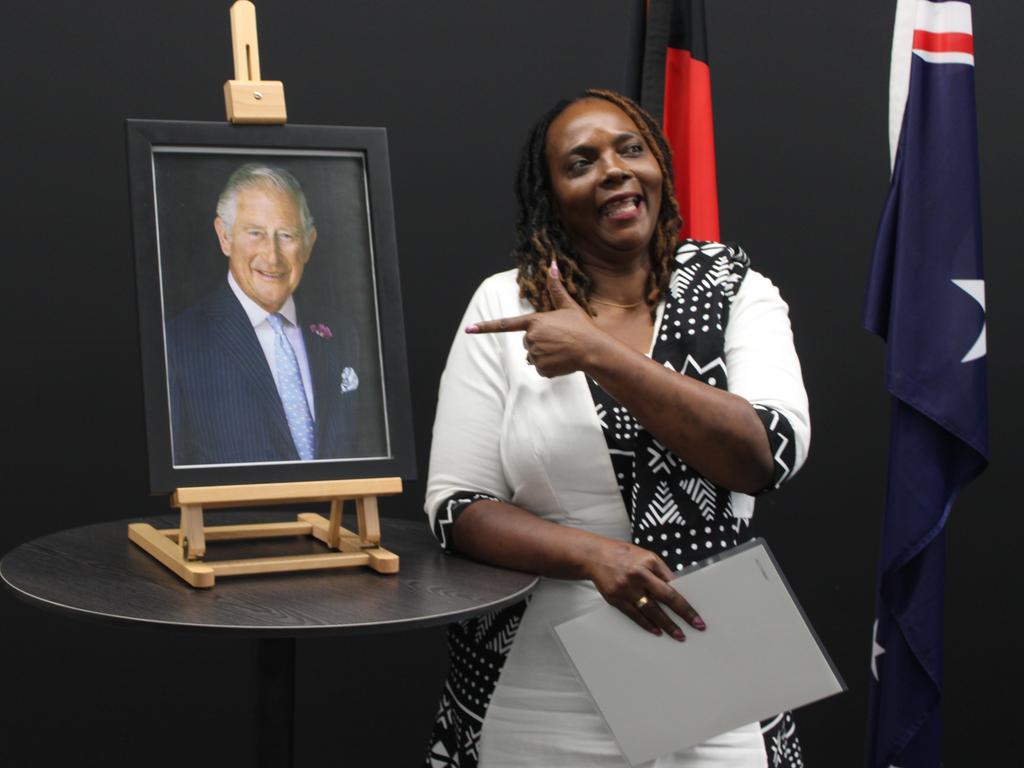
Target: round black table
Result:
[96, 573]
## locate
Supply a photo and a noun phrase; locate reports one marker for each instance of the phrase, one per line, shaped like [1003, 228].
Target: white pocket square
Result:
[349, 380]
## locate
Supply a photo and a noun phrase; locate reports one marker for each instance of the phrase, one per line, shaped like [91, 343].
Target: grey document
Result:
[759, 656]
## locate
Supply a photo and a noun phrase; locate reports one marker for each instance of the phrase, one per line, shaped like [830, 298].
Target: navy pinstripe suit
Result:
[225, 407]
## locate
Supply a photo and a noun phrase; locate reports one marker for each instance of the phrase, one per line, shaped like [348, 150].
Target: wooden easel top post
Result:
[248, 99]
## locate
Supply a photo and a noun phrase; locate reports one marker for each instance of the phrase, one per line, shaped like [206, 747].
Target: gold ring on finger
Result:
[642, 602]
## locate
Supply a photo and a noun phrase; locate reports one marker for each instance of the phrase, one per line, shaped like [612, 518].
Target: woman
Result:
[567, 443]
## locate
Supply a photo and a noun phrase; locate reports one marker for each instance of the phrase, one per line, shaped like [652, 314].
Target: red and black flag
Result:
[676, 89]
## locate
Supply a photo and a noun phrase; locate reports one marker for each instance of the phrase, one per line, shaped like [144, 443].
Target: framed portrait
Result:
[270, 311]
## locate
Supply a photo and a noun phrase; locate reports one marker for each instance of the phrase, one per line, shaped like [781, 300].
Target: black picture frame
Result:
[177, 170]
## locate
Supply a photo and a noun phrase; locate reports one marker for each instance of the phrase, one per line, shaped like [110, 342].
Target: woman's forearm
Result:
[509, 536]
[714, 431]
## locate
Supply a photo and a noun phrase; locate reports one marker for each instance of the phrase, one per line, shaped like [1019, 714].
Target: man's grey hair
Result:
[257, 174]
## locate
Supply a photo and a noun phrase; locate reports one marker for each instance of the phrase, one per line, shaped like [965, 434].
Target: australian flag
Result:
[926, 297]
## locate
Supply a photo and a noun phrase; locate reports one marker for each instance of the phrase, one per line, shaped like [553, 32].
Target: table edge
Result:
[359, 628]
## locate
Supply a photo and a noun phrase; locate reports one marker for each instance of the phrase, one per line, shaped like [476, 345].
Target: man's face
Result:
[266, 248]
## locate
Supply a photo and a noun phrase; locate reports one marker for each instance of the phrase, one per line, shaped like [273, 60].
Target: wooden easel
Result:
[181, 549]
[251, 100]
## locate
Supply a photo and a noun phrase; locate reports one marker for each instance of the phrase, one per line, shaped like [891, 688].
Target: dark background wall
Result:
[800, 93]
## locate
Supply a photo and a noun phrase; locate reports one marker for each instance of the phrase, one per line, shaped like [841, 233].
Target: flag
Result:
[926, 297]
[676, 89]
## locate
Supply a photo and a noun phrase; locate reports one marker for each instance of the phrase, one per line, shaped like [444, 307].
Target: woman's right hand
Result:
[625, 574]
[556, 342]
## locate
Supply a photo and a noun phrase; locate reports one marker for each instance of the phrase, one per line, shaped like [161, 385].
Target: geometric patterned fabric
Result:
[478, 649]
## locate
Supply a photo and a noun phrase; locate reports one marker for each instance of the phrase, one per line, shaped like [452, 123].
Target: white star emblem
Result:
[976, 290]
[876, 651]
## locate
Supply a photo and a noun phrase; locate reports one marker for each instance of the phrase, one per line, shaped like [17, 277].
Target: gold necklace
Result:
[597, 300]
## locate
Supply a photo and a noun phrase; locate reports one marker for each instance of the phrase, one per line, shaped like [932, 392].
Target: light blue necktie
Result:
[293, 394]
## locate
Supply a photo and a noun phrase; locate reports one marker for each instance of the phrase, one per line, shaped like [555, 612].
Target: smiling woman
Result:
[603, 422]
[606, 182]
[542, 236]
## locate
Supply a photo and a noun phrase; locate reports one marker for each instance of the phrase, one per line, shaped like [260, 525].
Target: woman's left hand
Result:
[557, 342]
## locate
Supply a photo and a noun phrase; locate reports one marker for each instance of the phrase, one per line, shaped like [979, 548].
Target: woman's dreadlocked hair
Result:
[539, 234]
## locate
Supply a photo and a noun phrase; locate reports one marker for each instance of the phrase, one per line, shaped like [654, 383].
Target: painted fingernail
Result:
[473, 328]
[554, 268]
[678, 635]
[657, 632]
[698, 623]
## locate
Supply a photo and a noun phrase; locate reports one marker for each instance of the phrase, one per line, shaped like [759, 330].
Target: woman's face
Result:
[605, 181]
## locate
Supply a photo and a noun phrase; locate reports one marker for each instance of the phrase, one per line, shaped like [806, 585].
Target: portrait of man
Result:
[258, 371]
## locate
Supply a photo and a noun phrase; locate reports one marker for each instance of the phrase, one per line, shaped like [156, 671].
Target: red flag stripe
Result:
[688, 127]
[943, 42]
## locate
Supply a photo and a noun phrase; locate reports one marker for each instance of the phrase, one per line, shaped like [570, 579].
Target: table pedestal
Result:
[275, 716]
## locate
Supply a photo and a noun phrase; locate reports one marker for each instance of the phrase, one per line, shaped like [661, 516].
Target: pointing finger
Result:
[501, 325]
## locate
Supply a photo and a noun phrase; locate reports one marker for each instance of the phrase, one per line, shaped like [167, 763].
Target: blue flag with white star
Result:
[926, 298]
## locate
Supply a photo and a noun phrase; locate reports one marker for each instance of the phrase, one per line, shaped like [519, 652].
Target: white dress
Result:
[503, 430]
